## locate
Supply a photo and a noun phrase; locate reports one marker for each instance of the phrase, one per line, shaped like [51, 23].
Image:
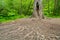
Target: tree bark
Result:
[38, 11]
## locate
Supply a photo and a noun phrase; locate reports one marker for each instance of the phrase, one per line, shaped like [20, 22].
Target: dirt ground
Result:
[31, 29]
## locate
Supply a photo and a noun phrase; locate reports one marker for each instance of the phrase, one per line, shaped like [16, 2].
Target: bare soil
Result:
[31, 29]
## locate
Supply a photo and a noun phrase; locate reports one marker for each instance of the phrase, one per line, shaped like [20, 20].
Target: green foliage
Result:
[12, 9]
[51, 8]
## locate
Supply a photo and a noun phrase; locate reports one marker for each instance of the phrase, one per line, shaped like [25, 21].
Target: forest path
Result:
[31, 29]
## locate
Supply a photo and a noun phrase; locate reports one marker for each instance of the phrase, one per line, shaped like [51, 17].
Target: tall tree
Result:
[55, 6]
[38, 9]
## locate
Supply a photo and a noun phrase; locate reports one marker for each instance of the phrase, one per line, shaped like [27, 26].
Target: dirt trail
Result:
[31, 29]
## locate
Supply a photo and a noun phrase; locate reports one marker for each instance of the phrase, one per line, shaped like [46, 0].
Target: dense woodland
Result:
[13, 9]
[51, 8]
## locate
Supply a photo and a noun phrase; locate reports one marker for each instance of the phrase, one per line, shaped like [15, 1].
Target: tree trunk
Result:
[38, 9]
[55, 6]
